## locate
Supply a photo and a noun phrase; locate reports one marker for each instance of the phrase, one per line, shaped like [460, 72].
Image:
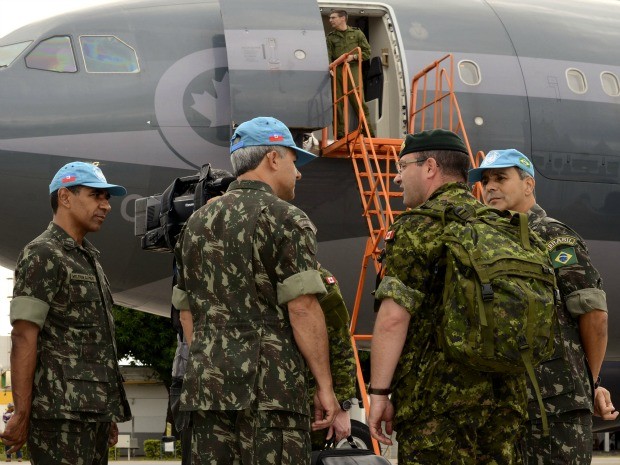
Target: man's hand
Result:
[23, 362]
[16, 432]
[326, 407]
[603, 407]
[113, 437]
[381, 409]
[341, 427]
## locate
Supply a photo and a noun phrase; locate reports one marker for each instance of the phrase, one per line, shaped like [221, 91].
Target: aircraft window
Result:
[469, 72]
[54, 54]
[610, 83]
[576, 81]
[8, 53]
[108, 54]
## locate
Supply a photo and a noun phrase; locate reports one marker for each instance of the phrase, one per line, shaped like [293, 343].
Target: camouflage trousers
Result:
[484, 436]
[569, 441]
[249, 437]
[66, 442]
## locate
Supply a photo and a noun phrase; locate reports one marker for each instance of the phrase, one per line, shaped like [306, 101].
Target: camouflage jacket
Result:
[60, 286]
[341, 358]
[339, 42]
[565, 379]
[425, 383]
[241, 258]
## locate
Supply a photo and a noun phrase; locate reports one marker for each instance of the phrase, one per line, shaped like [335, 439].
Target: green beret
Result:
[434, 139]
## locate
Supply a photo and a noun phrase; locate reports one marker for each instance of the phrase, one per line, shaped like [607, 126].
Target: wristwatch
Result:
[346, 404]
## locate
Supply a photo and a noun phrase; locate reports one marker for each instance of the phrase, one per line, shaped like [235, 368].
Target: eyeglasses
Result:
[401, 165]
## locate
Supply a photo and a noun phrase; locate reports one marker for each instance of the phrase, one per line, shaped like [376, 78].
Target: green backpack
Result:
[499, 295]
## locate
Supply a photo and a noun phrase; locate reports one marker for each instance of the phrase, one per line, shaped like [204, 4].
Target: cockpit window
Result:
[108, 54]
[8, 53]
[54, 54]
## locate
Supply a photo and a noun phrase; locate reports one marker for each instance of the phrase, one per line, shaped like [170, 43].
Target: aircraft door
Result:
[277, 61]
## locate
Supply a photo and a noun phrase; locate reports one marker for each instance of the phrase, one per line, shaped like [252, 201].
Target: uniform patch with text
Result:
[561, 240]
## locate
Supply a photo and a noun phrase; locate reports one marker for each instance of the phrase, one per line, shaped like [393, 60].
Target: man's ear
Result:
[63, 196]
[431, 167]
[530, 184]
[272, 159]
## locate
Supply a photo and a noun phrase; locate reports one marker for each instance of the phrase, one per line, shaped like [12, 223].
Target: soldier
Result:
[247, 291]
[179, 365]
[566, 380]
[341, 40]
[442, 411]
[341, 360]
[67, 387]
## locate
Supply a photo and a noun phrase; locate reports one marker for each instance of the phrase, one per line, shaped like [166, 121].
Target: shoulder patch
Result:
[305, 223]
[330, 280]
[561, 240]
[389, 236]
[563, 257]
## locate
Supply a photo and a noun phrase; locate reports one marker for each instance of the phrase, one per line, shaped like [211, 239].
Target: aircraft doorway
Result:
[383, 75]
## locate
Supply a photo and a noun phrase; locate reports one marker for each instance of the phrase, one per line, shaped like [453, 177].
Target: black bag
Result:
[347, 456]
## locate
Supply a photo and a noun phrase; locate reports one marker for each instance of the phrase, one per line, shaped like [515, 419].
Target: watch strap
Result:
[378, 391]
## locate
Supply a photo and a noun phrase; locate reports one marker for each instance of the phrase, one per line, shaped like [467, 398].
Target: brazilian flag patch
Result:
[563, 257]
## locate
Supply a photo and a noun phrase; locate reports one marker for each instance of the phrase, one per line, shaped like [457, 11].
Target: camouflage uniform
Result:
[78, 390]
[444, 412]
[241, 259]
[338, 43]
[565, 380]
[341, 358]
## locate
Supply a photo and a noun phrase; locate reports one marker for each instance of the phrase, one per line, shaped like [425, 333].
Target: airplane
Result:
[151, 89]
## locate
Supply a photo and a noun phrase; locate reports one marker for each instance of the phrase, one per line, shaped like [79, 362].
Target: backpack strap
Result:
[527, 362]
[434, 210]
[525, 231]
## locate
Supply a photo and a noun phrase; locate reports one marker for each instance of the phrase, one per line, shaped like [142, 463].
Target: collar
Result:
[452, 187]
[349, 28]
[537, 211]
[250, 185]
[67, 241]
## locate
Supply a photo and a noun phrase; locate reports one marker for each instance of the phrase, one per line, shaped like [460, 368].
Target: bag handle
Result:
[331, 442]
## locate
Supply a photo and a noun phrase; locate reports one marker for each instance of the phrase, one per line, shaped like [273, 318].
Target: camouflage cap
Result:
[502, 159]
[434, 139]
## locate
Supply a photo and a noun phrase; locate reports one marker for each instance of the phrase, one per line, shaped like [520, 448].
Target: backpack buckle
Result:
[464, 212]
[487, 292]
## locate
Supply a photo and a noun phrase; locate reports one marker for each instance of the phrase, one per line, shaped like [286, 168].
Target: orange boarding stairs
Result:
[374, 162]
